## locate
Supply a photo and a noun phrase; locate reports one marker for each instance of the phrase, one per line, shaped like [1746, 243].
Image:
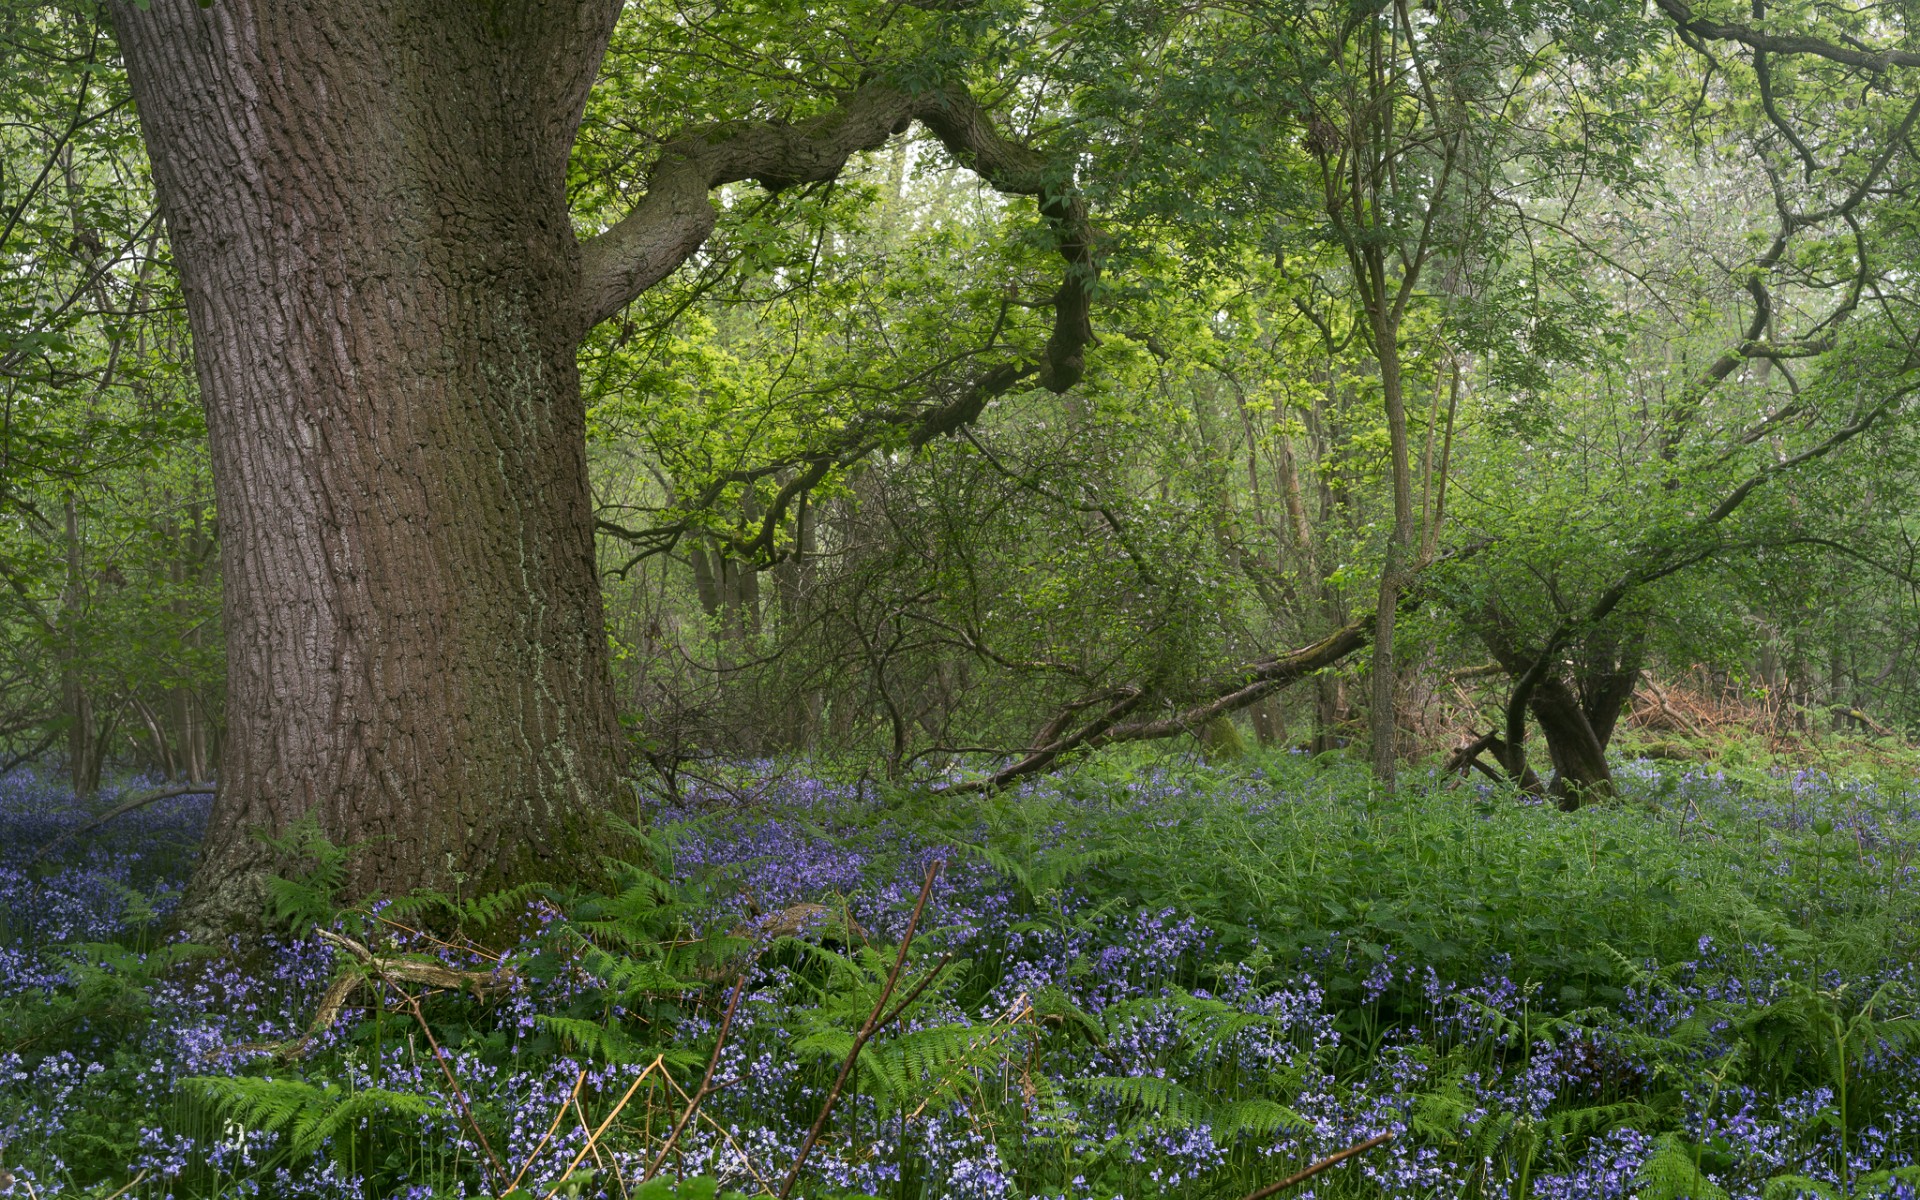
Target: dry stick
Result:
[706, 1081]
[413, 1002]
[1331, 1160]
[867, 1030]
[619, 1177]
[391, 970]
[469, 948]
[1019, 1010]
[557, 1118]
[586, 1128]
[725, 1135]
[593, 1138]
[913, 995]
[131, 1184]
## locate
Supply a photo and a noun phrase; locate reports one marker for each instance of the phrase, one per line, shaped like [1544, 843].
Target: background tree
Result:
[104, 528]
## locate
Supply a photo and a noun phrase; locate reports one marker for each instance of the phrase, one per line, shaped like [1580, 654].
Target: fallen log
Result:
[121, 810]
[1246, 686]
[378, 967]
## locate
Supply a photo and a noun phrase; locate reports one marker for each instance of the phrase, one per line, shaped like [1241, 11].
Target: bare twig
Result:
[867, 1030]
[725, 1135]
[586, 1127]
[706, 1081]
[593, 1139]
[129, 1186]
[913, 995]
[1020, 1010]
[558, 1116]
[1331, 1160]
[459, 1094]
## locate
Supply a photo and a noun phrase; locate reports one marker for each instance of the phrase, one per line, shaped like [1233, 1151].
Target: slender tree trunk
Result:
[1269, 729]
[1383, 717]
[367, 202]
[183, 708]
[84, 743]
[793, 588]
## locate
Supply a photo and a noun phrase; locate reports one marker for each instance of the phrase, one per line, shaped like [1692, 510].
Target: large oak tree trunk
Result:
[366, 199]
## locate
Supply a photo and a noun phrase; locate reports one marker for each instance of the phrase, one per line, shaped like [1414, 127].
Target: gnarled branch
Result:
[1246, 686]
[676, 215]
[1785, 43]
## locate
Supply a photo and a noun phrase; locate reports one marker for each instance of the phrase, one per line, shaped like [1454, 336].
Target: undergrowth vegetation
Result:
[1141, 978]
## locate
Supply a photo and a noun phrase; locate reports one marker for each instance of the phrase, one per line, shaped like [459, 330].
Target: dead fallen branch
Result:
[121, 810]
[480, 984]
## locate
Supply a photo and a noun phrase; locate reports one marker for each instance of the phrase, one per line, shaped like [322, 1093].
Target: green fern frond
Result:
[477, 913]
[307, 898]
[1053, 1001]
[1486, 1134]
[1152, 1096]
[1440, 1115]
[1794, 1187]
[259, 1103]
[1596, 1118]
[628, 978]
[607, 1043]
[829, 1043]
[1260, 1118]
[314, 1125]
[308, 1115]
[1880, 1182]
[1669, 1173]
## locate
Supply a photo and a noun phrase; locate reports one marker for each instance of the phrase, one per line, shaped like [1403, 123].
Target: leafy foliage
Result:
[312, 1116]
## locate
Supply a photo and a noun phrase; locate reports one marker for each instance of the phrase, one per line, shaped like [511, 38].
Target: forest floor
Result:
[1144, 977]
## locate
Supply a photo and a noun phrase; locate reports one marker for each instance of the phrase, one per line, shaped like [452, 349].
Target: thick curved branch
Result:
[676, 215]
[120, 810]
[920, 425]
[1789, 43]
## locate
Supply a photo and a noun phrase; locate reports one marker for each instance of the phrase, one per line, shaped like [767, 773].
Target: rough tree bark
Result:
[1576, 704]
[86, 739]
[367, 202]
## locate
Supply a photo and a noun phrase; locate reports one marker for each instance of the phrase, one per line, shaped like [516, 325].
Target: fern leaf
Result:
[1669, 1173]
[1257, 1117]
